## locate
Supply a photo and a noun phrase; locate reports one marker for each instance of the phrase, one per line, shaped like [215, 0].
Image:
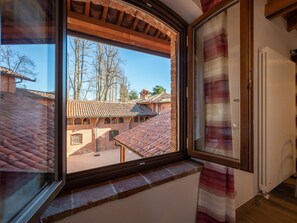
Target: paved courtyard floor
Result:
[92, 160]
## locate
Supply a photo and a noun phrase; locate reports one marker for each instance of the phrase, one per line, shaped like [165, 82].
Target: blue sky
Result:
[143, 70]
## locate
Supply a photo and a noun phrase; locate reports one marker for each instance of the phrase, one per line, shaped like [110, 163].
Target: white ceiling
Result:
[189, 10]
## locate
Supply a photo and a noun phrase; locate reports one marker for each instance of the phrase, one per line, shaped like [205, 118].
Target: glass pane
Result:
[125, 121]
[27, 85]
[216, 84]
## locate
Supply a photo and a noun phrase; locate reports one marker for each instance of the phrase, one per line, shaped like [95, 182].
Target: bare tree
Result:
[95, 72]
[108, 73]
[17, 62]
[80, 51]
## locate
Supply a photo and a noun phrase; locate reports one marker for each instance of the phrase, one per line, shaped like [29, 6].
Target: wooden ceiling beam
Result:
[68, 5]
[87, 8]
[147, 28]
[120, 18]
[276, 8]
[291, 22]
[95, 27]
[104, 15]
[158, 34]
[135, 23]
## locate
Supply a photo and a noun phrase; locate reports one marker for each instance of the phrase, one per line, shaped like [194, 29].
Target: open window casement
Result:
[32, 135]
[219, 85]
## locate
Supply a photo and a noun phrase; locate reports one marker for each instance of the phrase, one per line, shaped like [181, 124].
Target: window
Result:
[114, 121]
[76, 139]
[113, 134]
[146, 118]
[107, 121]
[31, 61]
[123, 94]
[86, 121]
[217, 131]
[77, 121]
[69, 121]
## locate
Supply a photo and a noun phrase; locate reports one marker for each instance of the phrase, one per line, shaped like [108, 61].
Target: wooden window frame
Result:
[74, 122]
[87, 120]
[121, 120]
[246, 91]
[107, 122]
[169, 17]
[69, 121]
[112, 134]
[136, 118]
[80, 135]
[114, 121]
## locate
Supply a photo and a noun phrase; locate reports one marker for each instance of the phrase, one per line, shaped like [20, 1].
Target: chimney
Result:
[144, 94]
[7, 84]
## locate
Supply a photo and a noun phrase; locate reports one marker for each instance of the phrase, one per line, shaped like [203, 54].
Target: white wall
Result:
[172, 202]
[274, 35]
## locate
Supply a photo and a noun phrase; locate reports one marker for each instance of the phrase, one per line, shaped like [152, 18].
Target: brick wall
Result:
[7, 84]
[103, 142]
[159, 107]
[88, 142]
[96, 135]
[173, 91]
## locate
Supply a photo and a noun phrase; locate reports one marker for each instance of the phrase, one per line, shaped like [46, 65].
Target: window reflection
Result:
[27, 118]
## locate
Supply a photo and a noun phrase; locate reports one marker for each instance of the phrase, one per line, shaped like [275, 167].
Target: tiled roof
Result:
[92, 109]
[9, 72]
[26, 135]
[158, 98]
[150, 138]
[35, 94]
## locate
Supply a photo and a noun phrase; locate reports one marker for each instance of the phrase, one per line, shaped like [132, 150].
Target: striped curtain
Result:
[216, 201]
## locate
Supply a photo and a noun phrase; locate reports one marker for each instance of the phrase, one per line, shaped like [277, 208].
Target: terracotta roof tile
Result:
[92, 109]
[11, 73]
[35, 94]
[26, 135]
[150, 138]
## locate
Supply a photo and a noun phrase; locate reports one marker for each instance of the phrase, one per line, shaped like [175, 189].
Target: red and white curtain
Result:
[216, 201]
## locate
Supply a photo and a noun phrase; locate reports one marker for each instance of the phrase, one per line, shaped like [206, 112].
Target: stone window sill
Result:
[81, 199]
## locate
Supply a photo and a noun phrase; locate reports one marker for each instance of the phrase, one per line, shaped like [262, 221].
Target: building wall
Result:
[47, 102]
[159, 107]
[96, 135]
[7, 84]
[102, 133]
[172, 202]
[88, 141]
[274, 35]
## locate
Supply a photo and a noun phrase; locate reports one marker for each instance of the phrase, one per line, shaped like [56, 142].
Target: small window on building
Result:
[135, 119]
[69, 121]
[121, 120]
[114, 121]
[107, 121]
[86, 121]
[112, 134]
[141, 119]
[76, 139]
[77, 121]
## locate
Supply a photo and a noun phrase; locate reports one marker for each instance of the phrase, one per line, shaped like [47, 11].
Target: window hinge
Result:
[187, 143]
[187, 92]
[187, 40]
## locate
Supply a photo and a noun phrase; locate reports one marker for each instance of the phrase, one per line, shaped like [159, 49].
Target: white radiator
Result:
[277, 112]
